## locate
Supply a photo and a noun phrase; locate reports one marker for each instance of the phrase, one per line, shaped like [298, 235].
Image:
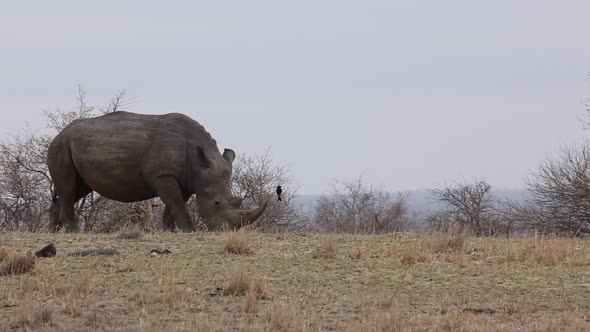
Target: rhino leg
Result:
[54, 213]
[168, 218]
[68, 186]
[169, 191]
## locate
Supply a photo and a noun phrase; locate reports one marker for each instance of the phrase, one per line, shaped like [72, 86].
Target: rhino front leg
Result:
[170, 193]
[168, 220]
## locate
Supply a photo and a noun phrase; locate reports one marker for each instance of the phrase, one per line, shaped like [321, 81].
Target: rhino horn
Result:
[248, 217]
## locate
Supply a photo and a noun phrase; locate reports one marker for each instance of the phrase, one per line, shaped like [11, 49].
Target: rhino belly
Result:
[115, 171]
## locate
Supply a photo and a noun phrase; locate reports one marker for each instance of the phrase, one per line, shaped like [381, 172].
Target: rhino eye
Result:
[217, 203]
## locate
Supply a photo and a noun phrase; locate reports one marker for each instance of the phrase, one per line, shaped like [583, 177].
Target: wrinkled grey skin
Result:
[131, 157]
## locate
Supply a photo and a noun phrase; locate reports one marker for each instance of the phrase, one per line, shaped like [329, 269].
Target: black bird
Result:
[279, 192]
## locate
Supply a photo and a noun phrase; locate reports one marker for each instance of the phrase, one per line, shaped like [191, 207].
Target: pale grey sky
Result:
[412, 93]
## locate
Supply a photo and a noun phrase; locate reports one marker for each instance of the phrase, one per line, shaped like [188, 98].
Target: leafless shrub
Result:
[355, 207]
[560, 194]
[25, 185]
[469, 206]
[255, 179]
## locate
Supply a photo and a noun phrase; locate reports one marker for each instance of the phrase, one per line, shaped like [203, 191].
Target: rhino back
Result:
[119, 155]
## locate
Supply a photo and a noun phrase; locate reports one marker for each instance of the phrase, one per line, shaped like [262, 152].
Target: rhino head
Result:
[218, 208]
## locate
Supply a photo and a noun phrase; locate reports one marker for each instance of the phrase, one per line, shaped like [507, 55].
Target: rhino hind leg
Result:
[54, 213]
[169, 191]
[69, 189]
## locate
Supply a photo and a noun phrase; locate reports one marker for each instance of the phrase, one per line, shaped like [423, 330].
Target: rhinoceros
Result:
[131, 157]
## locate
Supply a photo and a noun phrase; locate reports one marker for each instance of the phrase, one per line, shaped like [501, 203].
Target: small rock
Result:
[47, 251]
[161, 252]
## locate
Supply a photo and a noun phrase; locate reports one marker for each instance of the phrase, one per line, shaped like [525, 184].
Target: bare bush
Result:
[255, 179]
[355, 207]
[560, 194]
[470, 206]
[25, 185]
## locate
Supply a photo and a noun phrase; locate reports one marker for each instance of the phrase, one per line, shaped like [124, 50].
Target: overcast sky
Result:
[413, 94]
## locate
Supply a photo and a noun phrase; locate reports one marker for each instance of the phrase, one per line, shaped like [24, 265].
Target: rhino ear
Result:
[229, 155]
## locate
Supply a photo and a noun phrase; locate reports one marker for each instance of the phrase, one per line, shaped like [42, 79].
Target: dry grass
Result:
[550, 252]
[413, 254]
[93, 318]
[236, 243]
[16, 264]
[33, 316]
[451, 241]
[238, 284]
[133, 233]
[328, 250]
[358, 254]
[3, 254]
[396, 282]
[283, 317]
[171, 293]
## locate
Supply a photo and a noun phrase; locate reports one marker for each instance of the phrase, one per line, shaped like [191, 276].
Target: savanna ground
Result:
[298, 282]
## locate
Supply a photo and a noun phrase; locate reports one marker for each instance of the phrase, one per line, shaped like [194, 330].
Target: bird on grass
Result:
[279, 192]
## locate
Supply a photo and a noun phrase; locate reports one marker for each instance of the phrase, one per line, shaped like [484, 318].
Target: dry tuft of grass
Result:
[449, 241]
[33, 316]
[93, 318]
[236, 243]
[358, 254]
[547, 252]
[259, 289]
[251, 303]
[3, 253]
[238, 285]
[130, 234]
[72, 305]
[170, 293]
[16, 264]
[256, 291]
[282, 317]
[413, 254]
[328, 250]
[392, 320]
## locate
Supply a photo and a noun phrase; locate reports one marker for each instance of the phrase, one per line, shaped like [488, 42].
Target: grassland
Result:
[298, 282]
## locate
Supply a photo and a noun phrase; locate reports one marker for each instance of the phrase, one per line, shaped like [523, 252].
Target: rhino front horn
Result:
[248, 217]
